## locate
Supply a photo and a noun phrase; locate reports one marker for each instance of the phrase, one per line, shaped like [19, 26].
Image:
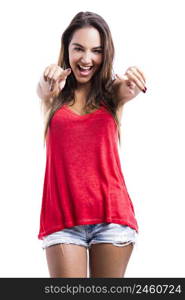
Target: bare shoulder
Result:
[119, 112]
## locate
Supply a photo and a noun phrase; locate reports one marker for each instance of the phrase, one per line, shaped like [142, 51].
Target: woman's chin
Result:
[83, 80]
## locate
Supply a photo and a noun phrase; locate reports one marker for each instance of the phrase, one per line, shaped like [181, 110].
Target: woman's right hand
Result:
[55, 77]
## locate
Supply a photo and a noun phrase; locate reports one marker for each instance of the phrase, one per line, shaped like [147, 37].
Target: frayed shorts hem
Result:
[86, 235]
[56, 242]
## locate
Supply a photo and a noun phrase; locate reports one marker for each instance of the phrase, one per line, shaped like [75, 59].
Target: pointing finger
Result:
[132, 76]
[141, 73]
[137, 74]
[66, 72]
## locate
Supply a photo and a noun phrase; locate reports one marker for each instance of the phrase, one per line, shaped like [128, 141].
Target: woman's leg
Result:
[67, 260]
[108, 260]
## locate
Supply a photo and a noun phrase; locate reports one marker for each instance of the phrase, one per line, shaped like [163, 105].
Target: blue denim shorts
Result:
[85, 235]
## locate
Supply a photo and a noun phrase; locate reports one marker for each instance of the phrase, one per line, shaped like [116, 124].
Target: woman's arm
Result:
[51, 84]
[43, 90]
[129, 86]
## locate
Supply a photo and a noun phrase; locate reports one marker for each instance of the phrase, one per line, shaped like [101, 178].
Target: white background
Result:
[149, 34]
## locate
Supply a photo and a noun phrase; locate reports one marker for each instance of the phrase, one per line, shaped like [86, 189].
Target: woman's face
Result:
[85, 53]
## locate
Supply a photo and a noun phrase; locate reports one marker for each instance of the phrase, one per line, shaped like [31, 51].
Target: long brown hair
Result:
[101, 82]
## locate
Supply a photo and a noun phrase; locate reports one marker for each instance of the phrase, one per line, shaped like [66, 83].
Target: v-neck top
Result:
[83, 181]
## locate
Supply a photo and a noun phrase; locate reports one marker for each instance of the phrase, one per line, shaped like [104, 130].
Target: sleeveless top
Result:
[83, 182]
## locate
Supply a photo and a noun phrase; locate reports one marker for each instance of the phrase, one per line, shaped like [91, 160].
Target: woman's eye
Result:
[98, 51]
[78, 49]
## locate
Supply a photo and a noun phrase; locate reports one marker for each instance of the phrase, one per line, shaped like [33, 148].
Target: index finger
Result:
[142, 74]
[64, 74]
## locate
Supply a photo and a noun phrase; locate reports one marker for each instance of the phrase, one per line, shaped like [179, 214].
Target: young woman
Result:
[85, 203]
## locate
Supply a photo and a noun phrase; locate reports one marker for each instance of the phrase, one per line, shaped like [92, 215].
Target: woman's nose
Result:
[86, 57]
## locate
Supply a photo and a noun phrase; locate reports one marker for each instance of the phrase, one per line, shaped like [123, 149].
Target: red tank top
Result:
[83, 182]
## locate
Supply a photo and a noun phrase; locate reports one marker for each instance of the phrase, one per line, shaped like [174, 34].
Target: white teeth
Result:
[85, 68]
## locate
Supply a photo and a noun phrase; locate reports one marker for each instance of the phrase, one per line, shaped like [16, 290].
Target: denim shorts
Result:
[85, 235]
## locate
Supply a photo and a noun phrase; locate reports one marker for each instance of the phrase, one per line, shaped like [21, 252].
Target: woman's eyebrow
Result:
[76, 44]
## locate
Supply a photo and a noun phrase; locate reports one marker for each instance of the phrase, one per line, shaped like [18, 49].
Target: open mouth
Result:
[84, 68]
[84, 71]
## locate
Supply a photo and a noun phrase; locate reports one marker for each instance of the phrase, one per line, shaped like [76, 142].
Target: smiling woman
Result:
[87, 48]
[85, 60]
[85, 203]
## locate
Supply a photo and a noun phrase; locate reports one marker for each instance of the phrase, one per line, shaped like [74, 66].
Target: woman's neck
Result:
[81, 93]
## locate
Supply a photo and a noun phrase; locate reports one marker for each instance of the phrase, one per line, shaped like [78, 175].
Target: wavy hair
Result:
[101, 82]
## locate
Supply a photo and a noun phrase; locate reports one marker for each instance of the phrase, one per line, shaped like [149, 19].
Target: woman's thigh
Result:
[67, 260]
[108, 260]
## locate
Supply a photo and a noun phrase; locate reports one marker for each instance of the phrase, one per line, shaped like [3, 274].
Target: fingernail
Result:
[144, 90]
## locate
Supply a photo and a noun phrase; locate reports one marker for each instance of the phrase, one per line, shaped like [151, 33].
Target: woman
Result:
[85, 202]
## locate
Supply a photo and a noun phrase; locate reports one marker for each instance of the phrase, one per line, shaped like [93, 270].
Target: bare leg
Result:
[67, 260]
[108, 260]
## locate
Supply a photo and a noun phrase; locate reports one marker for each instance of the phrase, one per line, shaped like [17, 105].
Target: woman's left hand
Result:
[131, 83]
